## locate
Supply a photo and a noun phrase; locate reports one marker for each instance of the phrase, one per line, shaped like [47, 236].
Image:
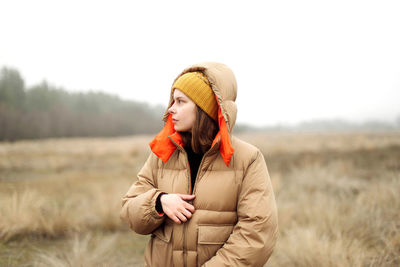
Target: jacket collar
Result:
[168, 140]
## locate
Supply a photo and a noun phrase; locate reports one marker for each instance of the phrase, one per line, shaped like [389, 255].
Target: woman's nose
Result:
[172, 109]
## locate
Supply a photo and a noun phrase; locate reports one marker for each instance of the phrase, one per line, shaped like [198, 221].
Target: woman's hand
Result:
[176, 207]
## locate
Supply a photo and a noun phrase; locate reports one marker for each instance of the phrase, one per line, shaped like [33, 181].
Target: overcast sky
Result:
[293, 60]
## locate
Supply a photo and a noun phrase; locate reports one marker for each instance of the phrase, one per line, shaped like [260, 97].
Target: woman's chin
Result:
[180, 129]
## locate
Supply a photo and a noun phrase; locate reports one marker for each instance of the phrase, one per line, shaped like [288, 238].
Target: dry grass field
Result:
[338, 197]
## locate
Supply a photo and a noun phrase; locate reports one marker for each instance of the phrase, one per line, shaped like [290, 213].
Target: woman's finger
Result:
[186, 197]
[189, 207]
[181, 217]
[175, 219]
[187, 213]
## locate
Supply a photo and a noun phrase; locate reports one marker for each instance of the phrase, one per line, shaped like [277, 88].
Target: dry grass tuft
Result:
[56, 212]
[86, 250]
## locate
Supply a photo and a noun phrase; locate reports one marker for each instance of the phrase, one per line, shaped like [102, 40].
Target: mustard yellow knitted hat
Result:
[197, 87]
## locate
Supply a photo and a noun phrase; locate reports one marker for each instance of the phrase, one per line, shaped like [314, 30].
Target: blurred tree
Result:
[12, 103]
[12, 88]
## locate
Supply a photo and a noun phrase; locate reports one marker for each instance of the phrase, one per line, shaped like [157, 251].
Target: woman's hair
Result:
[203, 132]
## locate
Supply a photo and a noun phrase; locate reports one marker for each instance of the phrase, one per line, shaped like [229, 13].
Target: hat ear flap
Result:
[161, 145]
[226, 149]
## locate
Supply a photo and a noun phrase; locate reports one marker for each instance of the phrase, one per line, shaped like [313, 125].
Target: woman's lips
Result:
[174, 121]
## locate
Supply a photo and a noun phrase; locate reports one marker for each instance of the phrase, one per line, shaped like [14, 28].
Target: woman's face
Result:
[183, 112]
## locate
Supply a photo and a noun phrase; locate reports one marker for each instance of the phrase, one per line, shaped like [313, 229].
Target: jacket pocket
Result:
[210, 238]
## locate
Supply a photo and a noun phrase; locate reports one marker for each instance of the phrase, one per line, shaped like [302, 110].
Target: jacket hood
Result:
[223, 83]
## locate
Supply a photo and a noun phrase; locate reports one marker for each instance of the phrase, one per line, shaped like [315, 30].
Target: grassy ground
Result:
[337, 194]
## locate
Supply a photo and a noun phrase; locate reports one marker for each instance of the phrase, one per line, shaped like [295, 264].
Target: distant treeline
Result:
[333, 125]
[43, 111]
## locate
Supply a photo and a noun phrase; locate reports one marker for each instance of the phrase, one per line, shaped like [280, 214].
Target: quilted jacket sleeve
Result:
[138, 205]
[254, 235]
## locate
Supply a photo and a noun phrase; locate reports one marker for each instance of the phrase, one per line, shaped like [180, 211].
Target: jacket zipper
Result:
[190, 192]
[199, 170]
[194, 189]
[184, 225]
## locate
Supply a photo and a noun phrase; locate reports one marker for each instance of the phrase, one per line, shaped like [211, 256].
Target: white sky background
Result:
[293, 60]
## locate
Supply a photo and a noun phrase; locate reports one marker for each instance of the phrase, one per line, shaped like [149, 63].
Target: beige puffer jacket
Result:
[235, 218]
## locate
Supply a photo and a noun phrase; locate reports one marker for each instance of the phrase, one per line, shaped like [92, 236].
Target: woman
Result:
[203, 194]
